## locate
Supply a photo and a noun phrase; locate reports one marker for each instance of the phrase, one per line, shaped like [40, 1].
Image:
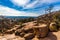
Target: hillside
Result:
[46, 18]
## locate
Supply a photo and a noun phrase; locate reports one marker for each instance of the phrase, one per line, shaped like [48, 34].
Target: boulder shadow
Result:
[50, 36]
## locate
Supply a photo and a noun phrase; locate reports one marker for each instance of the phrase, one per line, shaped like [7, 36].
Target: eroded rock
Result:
[29, 36]
[41, 30]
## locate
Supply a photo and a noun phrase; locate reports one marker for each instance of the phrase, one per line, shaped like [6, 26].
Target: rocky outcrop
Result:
[30, 31]
[41, 31]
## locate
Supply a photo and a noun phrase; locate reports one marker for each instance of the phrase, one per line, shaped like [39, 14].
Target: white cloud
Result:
[39, 3]
[49, 1]
[26, 5]
[20, 2]
[6, 11]
[31, 5]
[56, 8]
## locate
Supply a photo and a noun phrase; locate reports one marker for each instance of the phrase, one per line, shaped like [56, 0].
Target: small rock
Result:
[28, 36]
[22, 34]
[29, 30]
[35, 38]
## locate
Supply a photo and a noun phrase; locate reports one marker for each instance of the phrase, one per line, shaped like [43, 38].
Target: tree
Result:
[49, 9]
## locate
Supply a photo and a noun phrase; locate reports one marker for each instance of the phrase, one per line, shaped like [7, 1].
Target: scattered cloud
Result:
[56, 8]
[6, 11]
[26, 5]
[31, 5]
[49, 1]
[20, 2]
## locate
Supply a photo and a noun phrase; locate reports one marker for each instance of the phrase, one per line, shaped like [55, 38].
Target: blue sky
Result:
[26, 7]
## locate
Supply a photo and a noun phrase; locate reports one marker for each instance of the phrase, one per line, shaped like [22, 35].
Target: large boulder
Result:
[41, 30]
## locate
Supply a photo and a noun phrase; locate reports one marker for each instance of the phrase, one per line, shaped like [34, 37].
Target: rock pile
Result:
[31, 31]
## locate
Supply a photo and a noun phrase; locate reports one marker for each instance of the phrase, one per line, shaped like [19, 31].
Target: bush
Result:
[56, 18]
[53, 27]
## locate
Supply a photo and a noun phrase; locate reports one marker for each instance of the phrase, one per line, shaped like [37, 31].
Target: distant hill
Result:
[17, 16]
[47, 17]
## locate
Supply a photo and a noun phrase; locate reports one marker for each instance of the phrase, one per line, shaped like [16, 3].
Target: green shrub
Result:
[53, 27]
[56, 18]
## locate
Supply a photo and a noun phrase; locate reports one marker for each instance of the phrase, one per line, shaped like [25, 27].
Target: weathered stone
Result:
[17, 33]
[28, 30]
[10, 32]
[20, 33]
[28, 36]
[35, 38]
[41, 31]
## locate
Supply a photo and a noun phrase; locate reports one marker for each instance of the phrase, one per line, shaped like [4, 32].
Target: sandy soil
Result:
[51, 36]
[10, 37]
